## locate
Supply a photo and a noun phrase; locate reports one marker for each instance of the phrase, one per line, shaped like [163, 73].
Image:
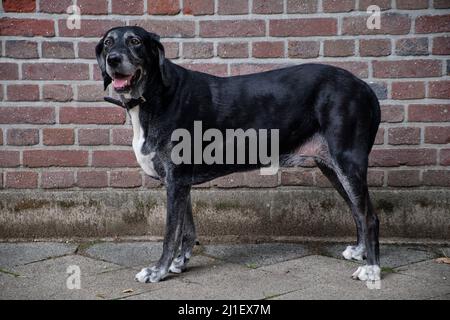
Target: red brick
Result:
[88, 115]
[9, 159]
[21, 180]
[92, 179]
[171, 50]
[437, 135]
[338, 48]
[128, 7]
[22, 92]
[9, 71]
[232, 28]
[403, 178]
[297, 178]
[440, 178]
[57, 180]
[89, 27]
[400, 157]
[412, 4]
[303, 49]
[233, 180]
[408, 90]
[392, 23]
[114, 158]
[379, 138]
[322, 181]
[55, 71]
[198, 7]
[429, 112]
[392, 113]
[59, 50]
[233, 6]
[21, 49]
[23, 137]
[411, 47]
[86, 50]
[211, 68]
[445, 157]
[26, 27]
[58, 136]
[358, 68]
[90, 92]
[433, 24]
[338, 5]
[93, 137]
[248, 68]
[94, 6]
[265, 49]
[56, 158]
[57, 92]
[168, 28]
[170, 7]
[254, 179]
[122, 136]
[439, 89]
[1, 136]
[125, 179]
[198, 50]
[382, 4]
[441, 4]
[31, 115]
[19, 5]
[301, 6]
[404, 135]
[374, 47]
[232, 50]
[407, 69]
[267, 6]
[375, 178]
[441, 45]
[149, 182]
[303, 27]
[52, 6]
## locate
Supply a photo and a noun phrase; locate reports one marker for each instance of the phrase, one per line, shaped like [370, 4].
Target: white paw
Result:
[367, 273]
[354, 252]
[178, 265]
[147, 275]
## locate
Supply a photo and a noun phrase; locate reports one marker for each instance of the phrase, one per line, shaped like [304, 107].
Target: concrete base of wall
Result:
[412, 213]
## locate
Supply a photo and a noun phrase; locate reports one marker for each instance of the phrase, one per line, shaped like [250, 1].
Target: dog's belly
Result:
[144, 160]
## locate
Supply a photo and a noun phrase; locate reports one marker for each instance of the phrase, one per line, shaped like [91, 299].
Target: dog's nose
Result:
[114, 59]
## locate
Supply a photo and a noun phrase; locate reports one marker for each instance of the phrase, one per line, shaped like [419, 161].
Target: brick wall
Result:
[56, 132]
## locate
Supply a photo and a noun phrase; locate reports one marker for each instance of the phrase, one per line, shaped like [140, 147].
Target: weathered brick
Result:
[437, 135]
[30, 115]
[163, 7]
[301, 6]
[55, 71]
[382, 4]
[9, 71]
[1, 136]
[444, 156]
[254, 179]
[297, 178]
[19, 5]
[233, 180]
[408, 90]
[21, 49]
[23, 137]
[129, 7]
[90, 92]
[375, 178]
[441, 4]
[212, 68]
[114, 158]
[233, 50]
[57, 179]
[441, 45]
[52, 6]
[400, 157]
[22, 92]
[303, 27]
[248, 68]
[412, 4]
[89, 27]
[168, 28]
[338, 48]
[380, 89]
[125, 179]
[59, 50]
[89, 115]
[88, 7]
[58, 136]
[429, 112]
[303, 49]
[404, 135]
[232, 28]
[403, 178]
[198, 50]
[440, 178]
[92, 179]
[9, 158]
[21, 180]
[55, 158]
[374, 47]
[358, 68]
[439, 89]
[198, 7]
[26, 27]
[122, 136]
[150, 183]
[57, 92]
[392, 23]
[93, 137]
[412, 47]
[171, 50]
[86, 50]
[267, 6]
[233, 6]
[407, 68]
[392, 113]
[338, 5]
[431, 24]
[379, 138]
[266, 49]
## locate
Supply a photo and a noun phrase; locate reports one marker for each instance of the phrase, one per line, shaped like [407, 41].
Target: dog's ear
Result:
[154, 46]
[101, 63]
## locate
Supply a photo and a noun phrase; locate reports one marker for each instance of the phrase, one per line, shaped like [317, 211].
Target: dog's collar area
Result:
[128, 105]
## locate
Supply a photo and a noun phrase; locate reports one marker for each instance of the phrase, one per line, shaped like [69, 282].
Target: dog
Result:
[321, 112]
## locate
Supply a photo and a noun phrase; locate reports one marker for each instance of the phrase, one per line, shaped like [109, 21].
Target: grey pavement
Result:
[44, 270]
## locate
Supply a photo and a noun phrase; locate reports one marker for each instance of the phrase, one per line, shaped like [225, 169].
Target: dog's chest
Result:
[144, 160]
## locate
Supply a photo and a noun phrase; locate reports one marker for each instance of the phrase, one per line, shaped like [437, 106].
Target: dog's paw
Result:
[354, 252]
[367, 273]
[178, 265]
[152, 275]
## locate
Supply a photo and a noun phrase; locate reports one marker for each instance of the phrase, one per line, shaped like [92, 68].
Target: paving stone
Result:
[431, 271]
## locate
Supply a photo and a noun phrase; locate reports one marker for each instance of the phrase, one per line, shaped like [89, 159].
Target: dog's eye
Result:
[108, 42]
[135, 41]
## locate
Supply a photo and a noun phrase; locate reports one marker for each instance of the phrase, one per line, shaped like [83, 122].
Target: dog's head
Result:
[128, 57]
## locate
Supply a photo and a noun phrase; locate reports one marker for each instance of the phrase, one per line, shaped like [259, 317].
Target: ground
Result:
[39, 270]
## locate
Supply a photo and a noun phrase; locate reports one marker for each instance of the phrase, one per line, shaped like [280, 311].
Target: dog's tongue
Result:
[121, 82]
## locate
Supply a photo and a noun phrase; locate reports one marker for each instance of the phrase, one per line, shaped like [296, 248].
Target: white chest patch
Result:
[144, 160]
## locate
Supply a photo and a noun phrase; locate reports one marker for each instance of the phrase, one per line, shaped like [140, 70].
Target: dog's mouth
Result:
[123, 82]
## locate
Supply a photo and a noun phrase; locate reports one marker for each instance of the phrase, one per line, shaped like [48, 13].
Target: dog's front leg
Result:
[177, 202]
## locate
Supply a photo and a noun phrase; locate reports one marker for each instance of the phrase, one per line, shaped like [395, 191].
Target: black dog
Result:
[321, 112]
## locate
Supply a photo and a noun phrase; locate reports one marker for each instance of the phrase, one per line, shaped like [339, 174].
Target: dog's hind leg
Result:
[179, 264]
